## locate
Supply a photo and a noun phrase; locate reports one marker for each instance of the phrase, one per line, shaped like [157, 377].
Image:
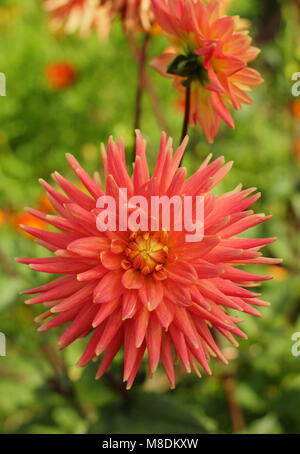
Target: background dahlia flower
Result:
[69, 16]
[148, 291]
[208, 51]
[60, 75]
[136, 15]
[85, 15]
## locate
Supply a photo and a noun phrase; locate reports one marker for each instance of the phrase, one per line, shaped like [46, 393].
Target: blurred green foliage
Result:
[261, 386]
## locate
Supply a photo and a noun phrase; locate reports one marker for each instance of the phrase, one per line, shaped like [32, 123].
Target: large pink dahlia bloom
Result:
[148, 291]
[209, 51]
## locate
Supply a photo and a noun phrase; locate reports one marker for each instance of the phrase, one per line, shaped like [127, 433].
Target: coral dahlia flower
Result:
[87, 15]
[150, 292]
[208, 52]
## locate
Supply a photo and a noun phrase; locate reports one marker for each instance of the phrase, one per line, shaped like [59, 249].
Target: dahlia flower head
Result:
[136, 15]
[83, 16]
[210, 51]
[150, 292]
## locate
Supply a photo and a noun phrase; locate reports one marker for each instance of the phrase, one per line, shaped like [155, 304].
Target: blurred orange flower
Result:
[296, 108]
[44, 204]
[60, 75]
[24, 218]
[279, 273]
[2, 217]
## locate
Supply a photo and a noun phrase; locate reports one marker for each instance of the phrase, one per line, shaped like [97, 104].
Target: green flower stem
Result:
[141, 83]
[187, 110]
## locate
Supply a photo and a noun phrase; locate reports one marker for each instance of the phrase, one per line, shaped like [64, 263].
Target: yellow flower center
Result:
[147, 252]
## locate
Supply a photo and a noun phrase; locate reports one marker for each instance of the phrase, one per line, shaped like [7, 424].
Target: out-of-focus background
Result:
[41, 390]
